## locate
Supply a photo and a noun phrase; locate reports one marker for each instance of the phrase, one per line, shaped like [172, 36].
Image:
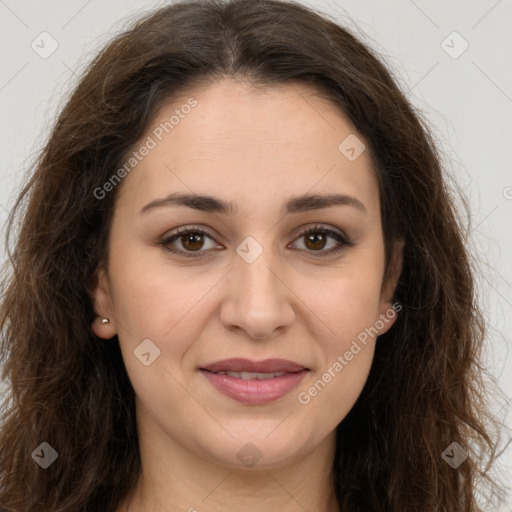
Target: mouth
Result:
[251, 375]
[253, 382]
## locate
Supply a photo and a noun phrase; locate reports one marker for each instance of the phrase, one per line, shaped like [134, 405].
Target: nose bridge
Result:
[254, 267]
[260, 303]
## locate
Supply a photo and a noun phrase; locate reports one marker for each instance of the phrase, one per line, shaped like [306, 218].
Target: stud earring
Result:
[105, 321]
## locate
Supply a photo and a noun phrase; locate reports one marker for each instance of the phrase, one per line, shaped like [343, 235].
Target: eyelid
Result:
[180, 231]
[335, 233]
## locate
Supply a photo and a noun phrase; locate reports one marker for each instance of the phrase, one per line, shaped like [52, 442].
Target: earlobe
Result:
[104, 324]
[103, 330]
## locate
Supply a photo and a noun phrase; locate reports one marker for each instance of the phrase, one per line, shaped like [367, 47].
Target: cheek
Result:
[337, 389]
[154, 302]
[153, 298]
[347, 305]
[346, 359]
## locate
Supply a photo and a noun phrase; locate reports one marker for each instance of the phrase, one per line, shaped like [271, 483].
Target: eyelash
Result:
[342, 239]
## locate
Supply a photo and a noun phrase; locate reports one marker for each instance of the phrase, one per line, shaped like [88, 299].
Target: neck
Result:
[174, 479]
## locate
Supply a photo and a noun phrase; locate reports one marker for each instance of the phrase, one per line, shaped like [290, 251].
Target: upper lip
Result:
[246, 365]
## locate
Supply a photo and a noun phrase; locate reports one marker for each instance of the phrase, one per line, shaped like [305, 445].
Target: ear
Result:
[102, 304]
[388, 313]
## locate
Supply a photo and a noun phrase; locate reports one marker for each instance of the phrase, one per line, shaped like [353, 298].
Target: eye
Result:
[192, 240]
[315, 239]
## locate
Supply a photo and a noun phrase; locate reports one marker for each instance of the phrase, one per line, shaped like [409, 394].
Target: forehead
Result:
[238, 142]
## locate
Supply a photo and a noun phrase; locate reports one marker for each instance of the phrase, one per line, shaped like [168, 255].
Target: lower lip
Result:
[255, 391]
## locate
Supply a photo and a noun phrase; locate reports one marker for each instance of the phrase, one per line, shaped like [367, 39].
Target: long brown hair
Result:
[70, 389]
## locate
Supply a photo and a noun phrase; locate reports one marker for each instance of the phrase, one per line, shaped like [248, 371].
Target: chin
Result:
[262, 450]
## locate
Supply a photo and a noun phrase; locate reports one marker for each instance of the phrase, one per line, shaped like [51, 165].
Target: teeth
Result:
[251, 375]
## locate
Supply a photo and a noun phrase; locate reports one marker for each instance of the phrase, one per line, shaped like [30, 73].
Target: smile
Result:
[253, 382]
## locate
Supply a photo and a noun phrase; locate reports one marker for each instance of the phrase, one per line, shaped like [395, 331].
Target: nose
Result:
[259, 299]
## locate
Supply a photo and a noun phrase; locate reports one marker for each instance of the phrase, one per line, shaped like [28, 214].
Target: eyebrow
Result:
[212, 204]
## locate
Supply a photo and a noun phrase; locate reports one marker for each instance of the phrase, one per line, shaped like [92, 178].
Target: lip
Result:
[239, 364]
[255, 391]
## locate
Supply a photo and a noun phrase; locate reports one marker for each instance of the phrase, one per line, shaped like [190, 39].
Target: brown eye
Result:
[316, 239]
[192, 240]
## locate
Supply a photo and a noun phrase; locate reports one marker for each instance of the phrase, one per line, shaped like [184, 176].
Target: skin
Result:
[256, 148]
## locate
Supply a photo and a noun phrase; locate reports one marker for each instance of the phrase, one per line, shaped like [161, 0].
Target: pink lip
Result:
[246, 365]
[255, 391]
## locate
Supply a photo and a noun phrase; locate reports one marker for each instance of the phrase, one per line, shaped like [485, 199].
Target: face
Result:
[258, 273]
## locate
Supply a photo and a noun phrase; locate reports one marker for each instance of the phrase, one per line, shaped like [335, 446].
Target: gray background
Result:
[466, 98]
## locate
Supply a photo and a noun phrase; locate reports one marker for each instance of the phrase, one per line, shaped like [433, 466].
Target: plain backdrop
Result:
[452, 58]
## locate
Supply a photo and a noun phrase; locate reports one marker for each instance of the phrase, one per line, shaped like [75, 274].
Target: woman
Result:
[240, 283]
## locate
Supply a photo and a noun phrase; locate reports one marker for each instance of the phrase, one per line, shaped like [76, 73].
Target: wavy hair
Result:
[70, 389]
